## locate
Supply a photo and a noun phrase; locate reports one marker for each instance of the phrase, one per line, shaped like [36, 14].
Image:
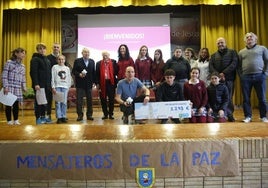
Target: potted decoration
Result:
[28, 99]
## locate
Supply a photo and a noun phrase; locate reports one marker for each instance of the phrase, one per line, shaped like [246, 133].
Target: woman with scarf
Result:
[106, 71]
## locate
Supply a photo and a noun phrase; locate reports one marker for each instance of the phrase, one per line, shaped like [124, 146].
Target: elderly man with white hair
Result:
[84, 73]
[253, 69]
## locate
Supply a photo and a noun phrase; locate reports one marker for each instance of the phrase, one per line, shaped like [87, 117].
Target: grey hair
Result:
[252, 34]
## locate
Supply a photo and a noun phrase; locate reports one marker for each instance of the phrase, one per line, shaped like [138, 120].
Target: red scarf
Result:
[102, 76]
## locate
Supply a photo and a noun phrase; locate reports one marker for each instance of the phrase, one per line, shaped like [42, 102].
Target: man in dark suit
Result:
[84, 72]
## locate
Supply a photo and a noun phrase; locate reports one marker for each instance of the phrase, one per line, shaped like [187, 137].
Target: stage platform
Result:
[106, 153]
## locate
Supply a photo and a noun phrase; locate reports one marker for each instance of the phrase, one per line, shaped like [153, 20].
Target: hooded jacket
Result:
[40, 71]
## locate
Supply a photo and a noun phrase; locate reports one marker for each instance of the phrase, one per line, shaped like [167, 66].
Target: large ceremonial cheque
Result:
[118, 160]
[163, 110]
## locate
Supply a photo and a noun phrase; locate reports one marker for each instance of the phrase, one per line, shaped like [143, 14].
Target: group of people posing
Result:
[207, 81]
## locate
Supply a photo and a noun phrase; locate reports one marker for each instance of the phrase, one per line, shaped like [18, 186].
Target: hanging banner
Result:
[118, 160]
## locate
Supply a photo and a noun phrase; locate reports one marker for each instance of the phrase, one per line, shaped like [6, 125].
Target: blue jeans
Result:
[61, 107]
[258, 81]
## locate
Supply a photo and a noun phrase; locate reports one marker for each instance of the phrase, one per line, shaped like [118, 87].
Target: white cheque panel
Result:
[163, 110]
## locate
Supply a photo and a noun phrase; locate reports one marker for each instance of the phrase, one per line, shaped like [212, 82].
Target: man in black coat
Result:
[224, 62]
[84, 73]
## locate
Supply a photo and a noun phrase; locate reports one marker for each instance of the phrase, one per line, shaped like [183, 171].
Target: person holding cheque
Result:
[169, 90]
[126, 93]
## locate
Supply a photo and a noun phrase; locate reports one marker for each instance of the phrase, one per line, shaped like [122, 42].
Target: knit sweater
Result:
[253, 60]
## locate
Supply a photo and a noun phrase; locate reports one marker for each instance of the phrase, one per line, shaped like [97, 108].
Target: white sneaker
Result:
[16, 122]
[10, 122]
[264, 119]
[247, 120]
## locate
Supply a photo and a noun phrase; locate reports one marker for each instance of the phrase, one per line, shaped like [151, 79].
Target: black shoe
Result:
[104, 117]
[63, 120]
[80, 118]
[231, 119]
[164, 121]
[176, 120]
[111, 117]
[59, 121]
[90, 118]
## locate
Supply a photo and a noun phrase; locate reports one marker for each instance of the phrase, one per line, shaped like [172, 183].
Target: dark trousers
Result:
[49, 101]
[80, 94]
[230, 107]
[129, 110]
[110, 93]
[40, 110]
[14, 109]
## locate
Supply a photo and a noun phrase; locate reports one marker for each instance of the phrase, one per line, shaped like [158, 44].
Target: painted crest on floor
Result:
[145, 177]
